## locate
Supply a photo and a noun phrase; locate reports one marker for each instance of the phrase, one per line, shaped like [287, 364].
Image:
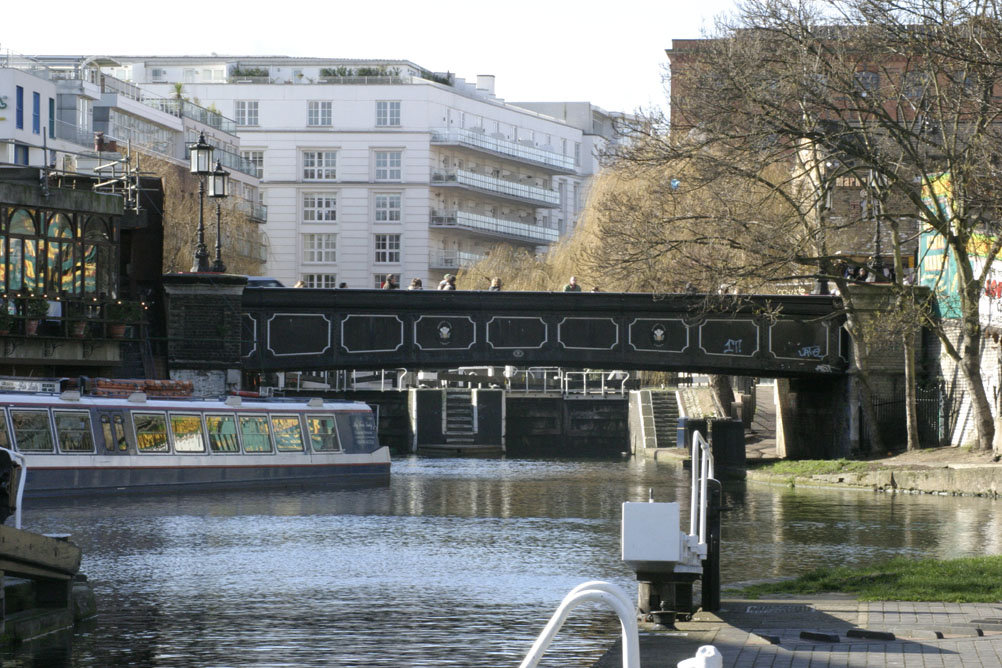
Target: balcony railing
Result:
[453, 259]
[503, 147]
[497, 186]
[77, 135]
[253, 210]
[186, 109]
[494, 226]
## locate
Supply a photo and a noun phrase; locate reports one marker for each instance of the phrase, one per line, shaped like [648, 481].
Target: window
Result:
[36, 113]
[326, 281]
[319, 248]
[387, 248]
[114, 433]
[151, 432]
[387, 165]
[19, 108]
[319, 165]
[52, 118]
[387, 207]
[4, 437]
[577, 154]
[188, 436]
[254, 430]
[288, 433]
[323, 434]
[388, 114]
[159, 75]
[256, 160]
[245, 112]
[222, 433]
[319, 208]
[31, 430]
[320, 113]
[20, 154]
[73, 431]
[867, 82]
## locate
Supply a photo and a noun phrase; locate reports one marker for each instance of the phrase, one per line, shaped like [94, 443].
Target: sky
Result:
[610, 54]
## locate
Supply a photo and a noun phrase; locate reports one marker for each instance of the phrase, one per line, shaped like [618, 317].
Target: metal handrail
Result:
[566, 376]
[702, 471]
[17, 458]
[595, 591]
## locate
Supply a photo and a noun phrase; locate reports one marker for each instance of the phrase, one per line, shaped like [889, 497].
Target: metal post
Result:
[201, 264]
[218, 266]
[711, 565]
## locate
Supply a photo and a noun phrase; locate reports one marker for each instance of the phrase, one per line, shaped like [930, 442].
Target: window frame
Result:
[203, 437]
[323, 207]
[48, 421]
[383, 245]
[324, 167]
[319, 113]
[56, 412]
[166, 432]
[324, 281]
[387, 111]
[383, 212]
[245, 111]
[322, 253]
[392, 169]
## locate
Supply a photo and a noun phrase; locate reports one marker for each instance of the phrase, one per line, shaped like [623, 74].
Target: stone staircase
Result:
[459, 427]
[664, 407]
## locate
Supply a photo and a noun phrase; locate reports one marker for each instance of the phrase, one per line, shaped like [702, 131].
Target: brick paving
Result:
[768, 633]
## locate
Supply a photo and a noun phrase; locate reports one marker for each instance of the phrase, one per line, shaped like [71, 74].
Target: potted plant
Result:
[120, 314]
[34, 309]
[75, 315]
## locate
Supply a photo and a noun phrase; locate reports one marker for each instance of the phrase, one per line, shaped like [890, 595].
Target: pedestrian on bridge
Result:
[495, 284]
[391, 283]
[415, 284]
[572, 285]
[448, 283]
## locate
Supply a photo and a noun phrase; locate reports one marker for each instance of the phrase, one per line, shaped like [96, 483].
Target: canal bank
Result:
[944, 471]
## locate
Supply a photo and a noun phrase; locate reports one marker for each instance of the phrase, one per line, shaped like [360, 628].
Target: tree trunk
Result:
[970, 365]
[723, 394]
[908, 340]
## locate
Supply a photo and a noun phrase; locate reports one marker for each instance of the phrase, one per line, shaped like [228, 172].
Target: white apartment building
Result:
[52, 107]
[370, 168]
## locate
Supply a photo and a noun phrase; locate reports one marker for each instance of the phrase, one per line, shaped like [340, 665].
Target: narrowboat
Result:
[149, 435]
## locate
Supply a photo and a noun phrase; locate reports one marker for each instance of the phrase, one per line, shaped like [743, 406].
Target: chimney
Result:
[485, 82]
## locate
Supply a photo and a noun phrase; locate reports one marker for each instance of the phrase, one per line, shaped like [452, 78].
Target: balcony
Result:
[185, 109]
[498, 187]
[73, 133]
[504, 148]
[495, 227]
[452, 259]
[253, 210]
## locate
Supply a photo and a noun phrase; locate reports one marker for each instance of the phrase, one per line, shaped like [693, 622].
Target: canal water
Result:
[455, 563]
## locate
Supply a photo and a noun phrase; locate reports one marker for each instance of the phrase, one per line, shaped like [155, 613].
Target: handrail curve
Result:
[595, 591]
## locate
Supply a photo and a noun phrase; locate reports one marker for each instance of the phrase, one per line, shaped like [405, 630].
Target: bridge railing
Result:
[556, 380]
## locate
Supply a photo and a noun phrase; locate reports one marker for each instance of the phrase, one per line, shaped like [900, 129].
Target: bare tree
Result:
[790, 97]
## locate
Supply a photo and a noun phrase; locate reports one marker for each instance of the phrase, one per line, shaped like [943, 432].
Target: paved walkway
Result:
[832, 630]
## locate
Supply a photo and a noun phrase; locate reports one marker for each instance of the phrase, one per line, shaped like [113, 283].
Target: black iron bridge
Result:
[766, 335]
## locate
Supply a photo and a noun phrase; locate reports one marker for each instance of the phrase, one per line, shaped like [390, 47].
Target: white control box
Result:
[652, 540]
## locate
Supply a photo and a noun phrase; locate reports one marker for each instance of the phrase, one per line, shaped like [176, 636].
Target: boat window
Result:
[151, 432]
[222, 433]
[113, 429]
[31, 430]
[188, 436]
[323, 435]
[254, 433]
[288, 433]
[73, 431]
[357, 431]
[4, 437]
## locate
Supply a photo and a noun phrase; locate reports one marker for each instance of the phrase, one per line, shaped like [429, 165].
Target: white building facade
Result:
[372, 168]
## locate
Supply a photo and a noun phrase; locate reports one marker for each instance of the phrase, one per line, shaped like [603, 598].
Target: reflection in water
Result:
[455, 562]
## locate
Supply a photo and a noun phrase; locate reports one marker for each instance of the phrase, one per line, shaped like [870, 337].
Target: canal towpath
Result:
[831, 630]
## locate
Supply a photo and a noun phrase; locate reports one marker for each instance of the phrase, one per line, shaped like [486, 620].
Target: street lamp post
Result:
[201, 166]
[218, 189]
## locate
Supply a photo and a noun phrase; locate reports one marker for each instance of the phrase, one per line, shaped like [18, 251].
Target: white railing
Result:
[594, 591]
[601, 382]
[502, 146]
[17, 460]
[702, 471]
[496, 185]
[501, 226]
[453, 259]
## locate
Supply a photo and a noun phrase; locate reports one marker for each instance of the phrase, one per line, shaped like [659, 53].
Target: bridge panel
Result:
[313, 329]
